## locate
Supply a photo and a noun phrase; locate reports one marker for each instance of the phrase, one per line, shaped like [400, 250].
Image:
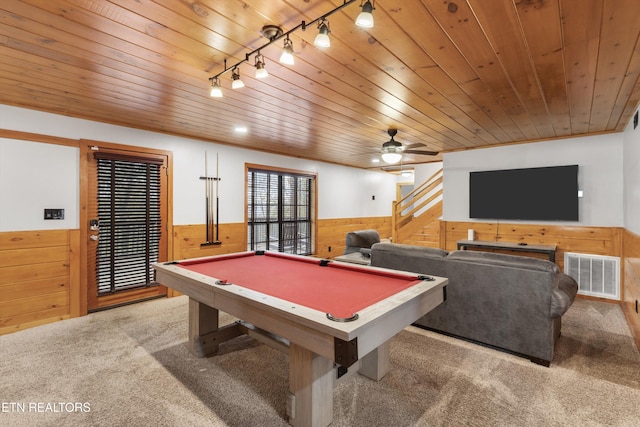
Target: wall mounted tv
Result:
[545, 194]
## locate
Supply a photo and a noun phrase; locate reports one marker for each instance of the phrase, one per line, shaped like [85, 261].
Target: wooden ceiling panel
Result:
[452, 75]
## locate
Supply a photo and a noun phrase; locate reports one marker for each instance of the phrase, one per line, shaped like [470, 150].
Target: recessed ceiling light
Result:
[241, 129]
[375, 160]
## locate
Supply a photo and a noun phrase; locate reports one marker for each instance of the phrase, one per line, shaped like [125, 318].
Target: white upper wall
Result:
[631, 167]
[34, 176]
[425, 171]
[600, 174]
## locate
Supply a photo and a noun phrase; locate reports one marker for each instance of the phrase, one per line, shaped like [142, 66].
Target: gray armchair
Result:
[361, 241]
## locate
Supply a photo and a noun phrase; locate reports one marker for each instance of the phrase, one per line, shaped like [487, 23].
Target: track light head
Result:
[236, 83]
[287, 52]
[365, 18]
[216, 91]
[261, 71]
[322, 39]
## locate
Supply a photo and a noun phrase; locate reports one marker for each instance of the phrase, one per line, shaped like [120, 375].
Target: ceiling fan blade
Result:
[410, 146]
[423, 152]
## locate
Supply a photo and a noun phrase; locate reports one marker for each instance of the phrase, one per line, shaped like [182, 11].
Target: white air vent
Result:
[597, 275]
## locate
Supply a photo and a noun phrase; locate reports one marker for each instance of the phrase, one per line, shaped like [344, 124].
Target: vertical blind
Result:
[130, 222]
[280, 212]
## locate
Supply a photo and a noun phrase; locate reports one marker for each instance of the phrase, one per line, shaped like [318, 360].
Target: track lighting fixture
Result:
[287, 52]
[322, 39]
[365, 19]
[275, 33]
[261, 71]
[216, 92]
[236, 83]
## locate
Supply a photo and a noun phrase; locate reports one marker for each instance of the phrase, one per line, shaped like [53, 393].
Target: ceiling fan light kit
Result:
[392, 150]
[391, 158]
[275, 33]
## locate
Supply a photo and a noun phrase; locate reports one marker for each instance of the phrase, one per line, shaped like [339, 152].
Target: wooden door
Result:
[125, 223]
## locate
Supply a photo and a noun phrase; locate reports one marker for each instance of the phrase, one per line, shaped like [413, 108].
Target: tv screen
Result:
[546, 193]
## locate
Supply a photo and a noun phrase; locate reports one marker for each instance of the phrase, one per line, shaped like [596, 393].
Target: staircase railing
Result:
[417, 209]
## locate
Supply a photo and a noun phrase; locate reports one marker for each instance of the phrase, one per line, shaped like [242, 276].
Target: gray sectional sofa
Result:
[512, 303]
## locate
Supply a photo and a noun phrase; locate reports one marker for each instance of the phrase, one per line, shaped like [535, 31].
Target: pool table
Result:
[327, 315]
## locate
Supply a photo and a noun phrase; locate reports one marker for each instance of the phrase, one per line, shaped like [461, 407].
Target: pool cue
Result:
[217, 179]
[210, 215]
[206, 196]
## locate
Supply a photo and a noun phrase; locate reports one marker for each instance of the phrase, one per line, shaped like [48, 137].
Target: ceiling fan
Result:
[392, 150]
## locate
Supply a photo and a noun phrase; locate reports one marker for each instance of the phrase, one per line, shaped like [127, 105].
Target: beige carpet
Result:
[129, 367]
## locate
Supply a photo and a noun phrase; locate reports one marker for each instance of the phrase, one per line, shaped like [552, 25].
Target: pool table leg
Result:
[375, 365]
[203, 320]
[310, 401]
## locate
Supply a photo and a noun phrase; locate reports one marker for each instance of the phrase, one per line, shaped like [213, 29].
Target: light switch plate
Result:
[54, 214]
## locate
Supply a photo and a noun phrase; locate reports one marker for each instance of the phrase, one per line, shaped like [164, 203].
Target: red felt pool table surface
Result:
[339, 289]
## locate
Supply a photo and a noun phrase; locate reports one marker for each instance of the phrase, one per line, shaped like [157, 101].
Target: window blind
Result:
[130, 222]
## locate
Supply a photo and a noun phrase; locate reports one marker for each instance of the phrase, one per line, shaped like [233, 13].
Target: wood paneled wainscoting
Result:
[631, 282]
[39, 278]
[188, 239]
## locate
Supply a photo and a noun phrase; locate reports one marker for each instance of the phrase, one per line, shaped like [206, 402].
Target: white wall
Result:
[36, 176]
[600, 174]
[631, 169]
[425, 171]
[20, 165]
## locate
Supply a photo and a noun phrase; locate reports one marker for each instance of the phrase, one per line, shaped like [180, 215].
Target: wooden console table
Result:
[550, 250]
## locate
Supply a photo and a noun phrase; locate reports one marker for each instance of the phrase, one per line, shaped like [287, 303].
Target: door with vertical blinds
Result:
[280, 211]
[128, 227]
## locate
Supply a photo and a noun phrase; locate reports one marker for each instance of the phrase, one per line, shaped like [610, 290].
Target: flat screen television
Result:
[544, 193]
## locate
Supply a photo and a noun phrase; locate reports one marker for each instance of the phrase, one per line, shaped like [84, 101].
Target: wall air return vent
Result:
[597, 275]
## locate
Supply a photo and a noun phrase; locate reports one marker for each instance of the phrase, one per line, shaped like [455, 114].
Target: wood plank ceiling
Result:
[451, 75]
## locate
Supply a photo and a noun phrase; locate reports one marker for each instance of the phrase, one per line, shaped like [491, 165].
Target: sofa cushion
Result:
[504, 260]
[410, 250]
[417, 259]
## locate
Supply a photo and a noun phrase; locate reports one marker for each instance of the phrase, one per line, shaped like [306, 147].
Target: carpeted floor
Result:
[129, 367]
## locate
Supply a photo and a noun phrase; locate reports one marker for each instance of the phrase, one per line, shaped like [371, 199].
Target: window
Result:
[280, 211]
